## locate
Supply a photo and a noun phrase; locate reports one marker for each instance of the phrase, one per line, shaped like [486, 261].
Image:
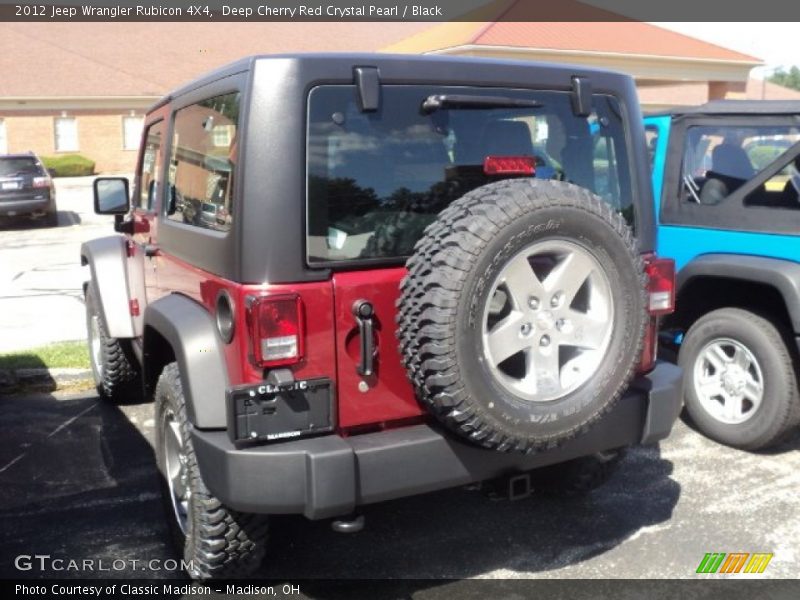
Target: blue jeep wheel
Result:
[740, 386]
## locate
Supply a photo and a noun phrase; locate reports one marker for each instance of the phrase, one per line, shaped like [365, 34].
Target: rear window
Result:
[12, 166]
[377, 179]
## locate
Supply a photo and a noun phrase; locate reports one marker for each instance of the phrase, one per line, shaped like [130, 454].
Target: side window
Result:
[719, 160]
[782, 190]
[202, 163]
[150, 176]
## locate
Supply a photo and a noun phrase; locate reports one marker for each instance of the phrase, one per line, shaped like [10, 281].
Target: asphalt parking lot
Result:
[77, 481]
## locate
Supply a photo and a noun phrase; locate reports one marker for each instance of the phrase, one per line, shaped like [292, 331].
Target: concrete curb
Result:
[11, 378]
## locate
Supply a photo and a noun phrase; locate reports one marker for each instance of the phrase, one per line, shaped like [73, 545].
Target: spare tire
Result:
[522, 316]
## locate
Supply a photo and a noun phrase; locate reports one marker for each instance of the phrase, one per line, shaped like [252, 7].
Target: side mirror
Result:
[111, 196]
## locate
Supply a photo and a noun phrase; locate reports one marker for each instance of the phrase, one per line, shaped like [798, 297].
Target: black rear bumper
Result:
[330, 475]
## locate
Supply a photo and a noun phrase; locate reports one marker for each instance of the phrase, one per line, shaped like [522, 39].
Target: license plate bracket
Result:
[257, 413]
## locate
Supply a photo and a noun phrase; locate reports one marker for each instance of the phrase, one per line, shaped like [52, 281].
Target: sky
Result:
[774, 43]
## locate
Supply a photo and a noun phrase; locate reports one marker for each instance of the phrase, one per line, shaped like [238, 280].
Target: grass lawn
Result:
[58, 355]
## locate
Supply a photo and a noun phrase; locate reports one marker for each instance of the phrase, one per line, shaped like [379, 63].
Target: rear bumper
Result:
[34, 202]
[331, 475]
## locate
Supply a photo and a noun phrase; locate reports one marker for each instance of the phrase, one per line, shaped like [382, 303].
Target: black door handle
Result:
[150, 250]
[363, 311]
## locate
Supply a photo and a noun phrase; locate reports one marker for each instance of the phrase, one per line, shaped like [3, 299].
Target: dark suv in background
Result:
[26, 189]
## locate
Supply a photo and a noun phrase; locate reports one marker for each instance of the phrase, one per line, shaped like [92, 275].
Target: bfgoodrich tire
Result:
[522, 315]
[740, 386]
[215, 541]
[115, 373]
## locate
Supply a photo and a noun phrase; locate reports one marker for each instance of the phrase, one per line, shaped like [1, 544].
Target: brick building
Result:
[84, 87]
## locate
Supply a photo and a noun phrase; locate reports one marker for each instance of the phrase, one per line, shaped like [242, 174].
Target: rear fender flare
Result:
[190, 331]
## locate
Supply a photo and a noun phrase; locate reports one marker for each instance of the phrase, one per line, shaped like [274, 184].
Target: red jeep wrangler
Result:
[350, 278]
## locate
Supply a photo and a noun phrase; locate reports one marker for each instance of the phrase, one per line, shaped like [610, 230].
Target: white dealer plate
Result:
[10, 185]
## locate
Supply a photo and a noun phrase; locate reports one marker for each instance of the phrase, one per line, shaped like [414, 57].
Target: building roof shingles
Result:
[149, 59]
[629, 37]
[566, 25]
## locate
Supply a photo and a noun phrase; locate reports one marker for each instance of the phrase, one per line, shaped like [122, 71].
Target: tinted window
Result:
[202, 163]
[19, 166]
[150, 177]
[377, 179]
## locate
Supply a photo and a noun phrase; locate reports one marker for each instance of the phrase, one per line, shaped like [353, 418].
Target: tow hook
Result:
[352, 524]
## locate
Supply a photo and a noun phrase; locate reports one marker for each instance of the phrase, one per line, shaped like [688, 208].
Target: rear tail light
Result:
[509, 165]
[276, 330]
[660, 301]
[41, 182]
[661, 284]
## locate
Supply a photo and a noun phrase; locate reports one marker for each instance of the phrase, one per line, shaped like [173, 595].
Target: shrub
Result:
[68, 165]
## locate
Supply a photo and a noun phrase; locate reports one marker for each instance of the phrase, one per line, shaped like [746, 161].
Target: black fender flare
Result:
[189, 329]
[783, 275]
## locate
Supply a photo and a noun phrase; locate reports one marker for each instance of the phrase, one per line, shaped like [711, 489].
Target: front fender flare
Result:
[107, 258]
[783, 275]
[190, 331]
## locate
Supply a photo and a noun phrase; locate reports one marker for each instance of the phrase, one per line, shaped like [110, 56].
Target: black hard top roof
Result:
[735, 107]
[447, 64]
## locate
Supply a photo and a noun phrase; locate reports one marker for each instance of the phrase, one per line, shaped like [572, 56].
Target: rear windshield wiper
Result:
[465, 101]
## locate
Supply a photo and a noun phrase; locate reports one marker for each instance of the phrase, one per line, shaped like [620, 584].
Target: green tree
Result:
[789, 79]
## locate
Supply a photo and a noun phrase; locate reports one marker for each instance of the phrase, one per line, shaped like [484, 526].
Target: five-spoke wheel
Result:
[548, 321]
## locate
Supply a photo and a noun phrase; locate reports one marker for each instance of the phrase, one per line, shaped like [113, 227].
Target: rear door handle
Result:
[364, 312]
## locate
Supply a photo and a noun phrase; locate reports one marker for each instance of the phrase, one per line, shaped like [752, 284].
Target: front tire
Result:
[740, 386]
[214, 540]
[115, 373]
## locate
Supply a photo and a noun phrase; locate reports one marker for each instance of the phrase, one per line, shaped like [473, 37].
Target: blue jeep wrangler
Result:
[726, 177]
